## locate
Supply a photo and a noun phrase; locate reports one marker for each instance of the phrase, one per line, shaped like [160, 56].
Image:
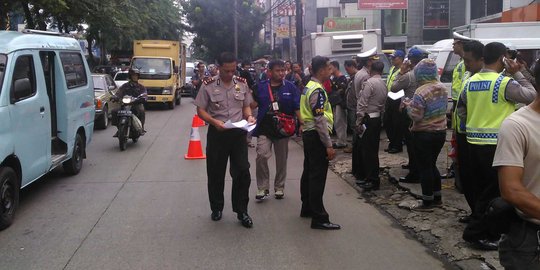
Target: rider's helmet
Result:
[134, 71]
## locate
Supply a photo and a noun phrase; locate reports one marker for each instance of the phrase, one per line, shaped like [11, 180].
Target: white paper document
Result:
[240, 124]
[395, 96]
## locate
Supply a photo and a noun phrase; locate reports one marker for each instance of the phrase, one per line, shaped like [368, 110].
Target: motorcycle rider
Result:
[135, 89]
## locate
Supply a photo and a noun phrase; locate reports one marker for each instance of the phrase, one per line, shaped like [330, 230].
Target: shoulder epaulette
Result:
[208, 81]
[239, 79]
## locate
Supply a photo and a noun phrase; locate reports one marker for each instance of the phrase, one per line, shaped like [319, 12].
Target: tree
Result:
[212, 22]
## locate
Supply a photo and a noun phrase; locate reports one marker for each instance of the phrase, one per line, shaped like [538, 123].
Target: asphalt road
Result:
[147, 208]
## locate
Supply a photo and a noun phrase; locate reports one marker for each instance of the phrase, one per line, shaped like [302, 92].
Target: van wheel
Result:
[74, 165]
[9, 196]
[104, 120]
[171, 105]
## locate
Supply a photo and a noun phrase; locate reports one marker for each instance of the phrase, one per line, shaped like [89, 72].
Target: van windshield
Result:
[3, 60]
[153, 69]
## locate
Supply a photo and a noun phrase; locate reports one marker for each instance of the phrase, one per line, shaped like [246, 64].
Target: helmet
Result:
[134, 71]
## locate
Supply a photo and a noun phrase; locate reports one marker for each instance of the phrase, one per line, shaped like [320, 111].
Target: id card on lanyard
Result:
[275, 105]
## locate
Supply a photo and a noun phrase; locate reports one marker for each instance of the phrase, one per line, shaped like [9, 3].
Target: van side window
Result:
[24, 73]
[74, 70]
[448, 72]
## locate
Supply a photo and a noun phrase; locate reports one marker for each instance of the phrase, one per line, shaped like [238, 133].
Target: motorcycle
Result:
[129, 126]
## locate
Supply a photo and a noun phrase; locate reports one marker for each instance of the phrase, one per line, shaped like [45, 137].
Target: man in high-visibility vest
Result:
[473, 58]
[487, 99]
[457, 80]
[392, 114]
[318, 120]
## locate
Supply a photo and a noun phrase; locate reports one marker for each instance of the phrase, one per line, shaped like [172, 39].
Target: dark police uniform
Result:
[226, 103]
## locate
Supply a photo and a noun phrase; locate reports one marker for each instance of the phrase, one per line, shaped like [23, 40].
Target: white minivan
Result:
[46, 111]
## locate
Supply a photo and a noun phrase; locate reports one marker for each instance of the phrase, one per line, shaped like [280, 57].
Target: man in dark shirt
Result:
[337, 99]
[244, 73]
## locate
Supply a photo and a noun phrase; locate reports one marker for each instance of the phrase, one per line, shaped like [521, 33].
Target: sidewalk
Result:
[440, 229]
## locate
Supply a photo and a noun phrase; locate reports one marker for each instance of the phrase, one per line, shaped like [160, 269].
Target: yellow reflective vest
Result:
[306, 111]
[486, 107]
[391, 77]
[457, 80]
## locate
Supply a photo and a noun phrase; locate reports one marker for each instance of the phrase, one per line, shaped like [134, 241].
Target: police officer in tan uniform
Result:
[222, 98]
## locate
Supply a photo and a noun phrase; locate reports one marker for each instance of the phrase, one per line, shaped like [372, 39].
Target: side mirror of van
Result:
[22, 88]
[176, 69]
[111, 87]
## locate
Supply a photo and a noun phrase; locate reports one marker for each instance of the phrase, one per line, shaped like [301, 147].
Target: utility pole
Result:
[290, 36]
[235, 28]
[383, 32]
[299, 31]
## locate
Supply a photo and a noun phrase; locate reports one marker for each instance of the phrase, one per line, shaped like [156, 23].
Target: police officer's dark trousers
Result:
[369, 151]
[351, 117]
[393, 124]
[222, 145]
[313, 178]
[469, 189]
[484, 178]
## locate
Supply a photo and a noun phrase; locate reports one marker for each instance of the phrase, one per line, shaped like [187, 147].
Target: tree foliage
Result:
[114, 23]
[213, 23]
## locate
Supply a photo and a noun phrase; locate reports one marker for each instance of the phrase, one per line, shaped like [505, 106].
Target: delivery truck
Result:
[343, 45]
[160, 64]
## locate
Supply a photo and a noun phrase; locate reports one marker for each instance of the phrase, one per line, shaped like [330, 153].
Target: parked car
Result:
[121, 77]
[105, 69]
[190, 71]
[104, 89]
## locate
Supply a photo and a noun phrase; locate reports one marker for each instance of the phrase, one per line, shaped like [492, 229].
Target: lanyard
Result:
[270, 92]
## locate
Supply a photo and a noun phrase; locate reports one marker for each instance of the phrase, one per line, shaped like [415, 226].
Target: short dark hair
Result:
[226, 58]
[335, 64]
[475, 47]
[199, 64]
[350, 63]
[493, 51]
[275, 63]
[246, 63]
[362, 62]
[377, 67]
[318, 63]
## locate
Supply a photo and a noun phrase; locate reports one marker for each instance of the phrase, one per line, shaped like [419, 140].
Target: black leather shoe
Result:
[246, 220]
[394, 151]
[465, 219]
[371, 186]
[409, 180]
[484, 244]
[405, 166]
[216, 215]
[361, 182]
[325, 226]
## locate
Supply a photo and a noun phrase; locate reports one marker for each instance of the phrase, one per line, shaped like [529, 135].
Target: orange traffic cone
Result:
[198, 121]
[195, 148]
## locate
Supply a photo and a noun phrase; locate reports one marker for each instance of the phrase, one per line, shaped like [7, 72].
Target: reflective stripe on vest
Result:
[306, 111]
[486, 107]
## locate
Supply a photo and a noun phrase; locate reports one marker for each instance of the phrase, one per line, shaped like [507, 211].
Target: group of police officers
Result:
[487, 85]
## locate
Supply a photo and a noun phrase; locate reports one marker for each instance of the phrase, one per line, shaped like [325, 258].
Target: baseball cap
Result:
[415, 53]
[398, 53]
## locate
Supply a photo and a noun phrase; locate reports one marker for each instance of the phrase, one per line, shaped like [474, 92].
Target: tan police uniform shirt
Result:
[224, 103]
[372, 98]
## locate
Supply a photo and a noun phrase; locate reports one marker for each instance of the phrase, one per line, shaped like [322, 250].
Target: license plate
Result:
[151, 98]
[124, 113]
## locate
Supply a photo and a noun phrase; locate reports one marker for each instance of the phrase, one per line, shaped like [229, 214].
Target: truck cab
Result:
[46, 111]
